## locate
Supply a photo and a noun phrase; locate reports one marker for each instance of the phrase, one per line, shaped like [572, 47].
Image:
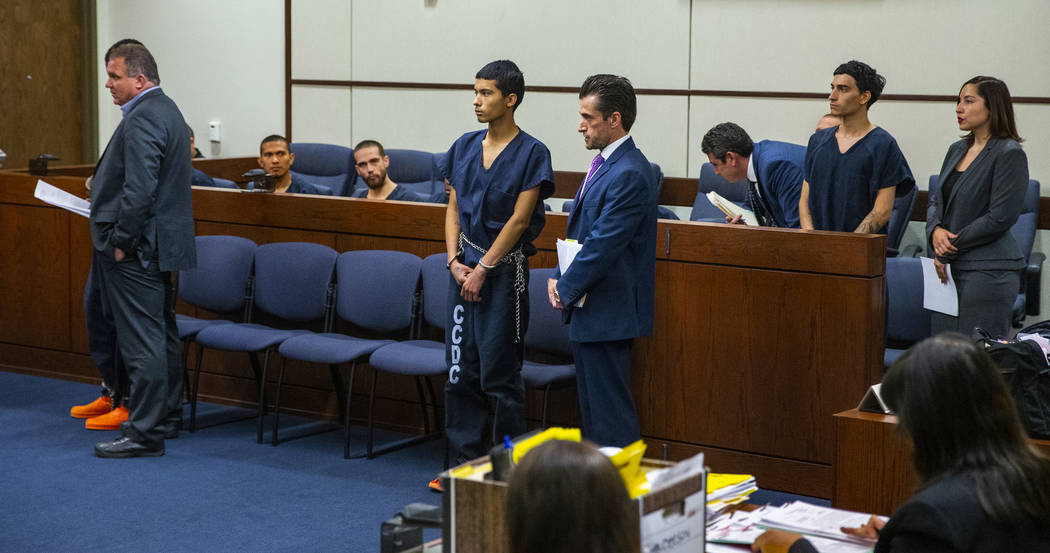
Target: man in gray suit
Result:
[142, 230]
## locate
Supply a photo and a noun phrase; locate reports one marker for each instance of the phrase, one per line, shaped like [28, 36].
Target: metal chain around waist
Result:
[518, 259]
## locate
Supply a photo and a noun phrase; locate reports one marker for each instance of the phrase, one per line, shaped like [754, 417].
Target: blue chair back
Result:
[547, 332]
[328, 165]
[435, 289]
[292, 279]
[1028, 221]
[225, 183]
[899, 217]
[377, 288]
[906, 320]
[220, 280]
[416, 170]
[735, 192]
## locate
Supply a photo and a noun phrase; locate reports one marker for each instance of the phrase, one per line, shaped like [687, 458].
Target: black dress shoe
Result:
[126, 447]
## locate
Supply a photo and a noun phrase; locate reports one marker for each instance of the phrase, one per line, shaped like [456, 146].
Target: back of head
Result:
[952, 402]
[1000, 106]
[508, 77]
[613, 94]
[868, 80]
[568, 497]
[724, 138]
[137, 60]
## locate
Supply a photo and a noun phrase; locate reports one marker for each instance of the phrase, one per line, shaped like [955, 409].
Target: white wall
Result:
[219, 60]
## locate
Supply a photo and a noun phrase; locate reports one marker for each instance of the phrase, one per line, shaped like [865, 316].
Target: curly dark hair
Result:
[868, 80]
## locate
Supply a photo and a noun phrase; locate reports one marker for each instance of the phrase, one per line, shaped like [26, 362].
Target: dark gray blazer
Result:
[983, 205]
[140, 192]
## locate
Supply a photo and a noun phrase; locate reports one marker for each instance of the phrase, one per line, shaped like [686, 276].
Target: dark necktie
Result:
[758, 205]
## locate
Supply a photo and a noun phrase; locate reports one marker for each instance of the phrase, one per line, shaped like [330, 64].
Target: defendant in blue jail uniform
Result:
[853, 170]
[499, 177]
[607, 292]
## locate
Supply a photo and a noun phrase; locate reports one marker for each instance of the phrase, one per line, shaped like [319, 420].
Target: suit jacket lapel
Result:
[983, 155]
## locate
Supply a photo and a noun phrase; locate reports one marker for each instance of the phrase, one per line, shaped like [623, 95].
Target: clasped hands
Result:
[470, 280]
[942, 246]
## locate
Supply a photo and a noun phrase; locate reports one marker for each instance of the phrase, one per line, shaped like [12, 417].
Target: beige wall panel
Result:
[554, 42]
[321, 114]
[927, 47]
[321, 39]
[219, 61]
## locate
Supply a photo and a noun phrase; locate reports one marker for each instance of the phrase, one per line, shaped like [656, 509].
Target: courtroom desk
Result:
[873, 463]
[760, 334]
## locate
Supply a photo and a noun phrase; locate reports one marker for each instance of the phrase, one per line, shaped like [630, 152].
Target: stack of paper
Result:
[736, 531]
[815, 520]
[731, 209]
[724, 490]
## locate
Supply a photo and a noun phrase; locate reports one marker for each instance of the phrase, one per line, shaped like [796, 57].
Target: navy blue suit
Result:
[779, 167]
[615, 221]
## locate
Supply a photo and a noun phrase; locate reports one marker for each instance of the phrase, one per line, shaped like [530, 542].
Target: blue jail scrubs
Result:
[843, 186]
[484, 340]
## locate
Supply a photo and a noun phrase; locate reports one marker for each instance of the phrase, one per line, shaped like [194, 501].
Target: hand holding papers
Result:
[60, 198]
[938, 296]
[567, 250]
[731, 209]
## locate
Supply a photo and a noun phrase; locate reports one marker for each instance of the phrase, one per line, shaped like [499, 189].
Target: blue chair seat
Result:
[244, 337]
[539, 375]
[191, 326]
[414, 357]
[329, 348]
[891, 355]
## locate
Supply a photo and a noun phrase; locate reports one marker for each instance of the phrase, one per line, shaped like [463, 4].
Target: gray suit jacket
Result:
[140, 193]
[983, 205]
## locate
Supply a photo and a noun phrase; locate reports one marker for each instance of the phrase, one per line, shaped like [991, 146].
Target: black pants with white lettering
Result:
[484, 359]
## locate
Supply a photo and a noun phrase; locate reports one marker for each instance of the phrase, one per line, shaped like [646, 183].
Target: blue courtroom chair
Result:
[415, 170]
[220, 283]
[907, 322]
[547, 333]
[658, 179]
[328, 165]
[293, 283]
[419, 358]
[1024, 230]
[709, 181]
[375, 292]
[898, 223]
[225, 183]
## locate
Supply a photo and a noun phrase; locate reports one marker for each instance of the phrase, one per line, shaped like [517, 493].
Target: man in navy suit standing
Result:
[774, 172]
[607, 292]
[142, 230]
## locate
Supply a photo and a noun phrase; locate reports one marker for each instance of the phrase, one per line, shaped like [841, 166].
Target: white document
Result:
[938, 296]
[731, 209]
[815, 520]
[567, 250]
[60, 198]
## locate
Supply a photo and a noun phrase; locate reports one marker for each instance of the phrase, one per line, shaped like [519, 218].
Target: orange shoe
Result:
[109, 421]
[435, 485]
[100, 406]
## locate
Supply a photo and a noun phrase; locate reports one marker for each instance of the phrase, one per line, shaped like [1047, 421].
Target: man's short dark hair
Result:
[118, 44]
[275, 138]
[868, 80]
[724, 138]
[508, 77]
[369, 144]
[137, 61]
[613, 94]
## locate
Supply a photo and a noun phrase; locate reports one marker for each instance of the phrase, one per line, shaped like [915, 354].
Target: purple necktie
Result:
[595, 164]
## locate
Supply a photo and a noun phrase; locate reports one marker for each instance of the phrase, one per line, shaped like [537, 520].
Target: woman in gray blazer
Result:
[982, 187]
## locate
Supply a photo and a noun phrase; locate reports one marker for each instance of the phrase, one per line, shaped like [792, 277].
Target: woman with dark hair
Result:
[982, 488]
[568, 497]
[982, 186]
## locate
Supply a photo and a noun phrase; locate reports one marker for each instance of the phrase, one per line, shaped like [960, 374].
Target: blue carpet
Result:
[214, 490]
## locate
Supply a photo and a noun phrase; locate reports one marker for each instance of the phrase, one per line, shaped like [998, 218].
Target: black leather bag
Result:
[1026, 370]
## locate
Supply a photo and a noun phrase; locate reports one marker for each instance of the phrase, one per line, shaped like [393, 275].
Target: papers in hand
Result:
[936, 295]
[731, 209]
[60, 198]
[815, 520]
[567, 250]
